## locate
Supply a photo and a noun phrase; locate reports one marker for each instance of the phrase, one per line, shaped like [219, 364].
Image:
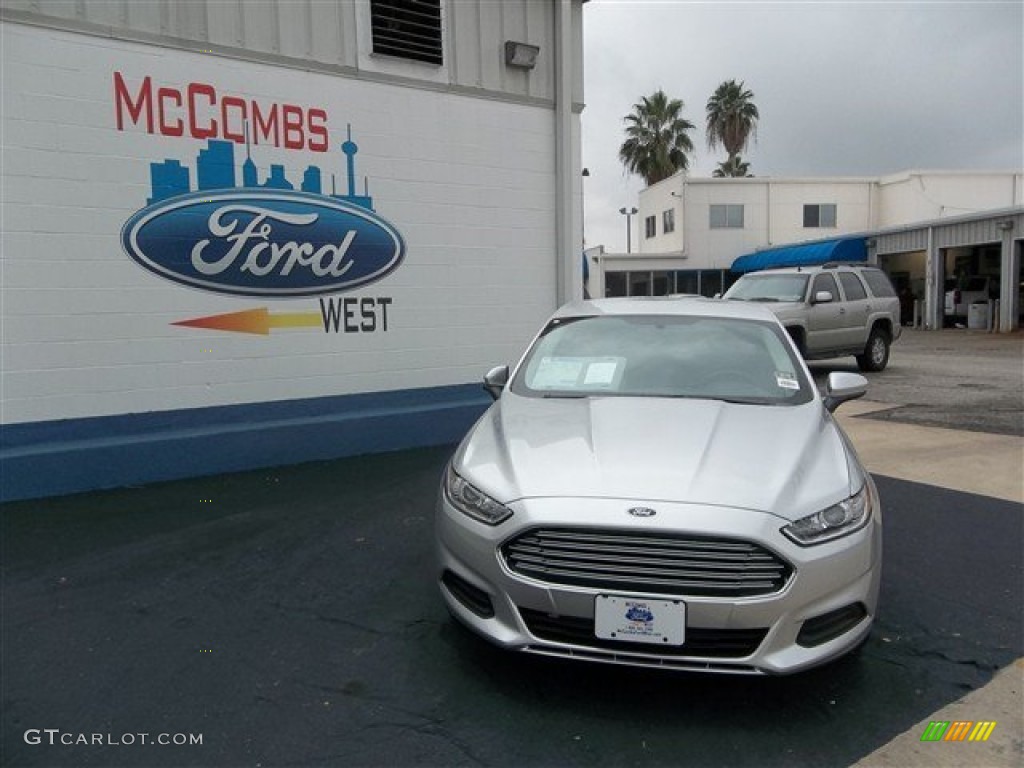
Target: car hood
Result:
[785, 307]
[787, 460]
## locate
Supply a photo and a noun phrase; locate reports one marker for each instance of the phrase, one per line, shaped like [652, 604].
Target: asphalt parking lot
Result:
[954, 378]
[290, 617]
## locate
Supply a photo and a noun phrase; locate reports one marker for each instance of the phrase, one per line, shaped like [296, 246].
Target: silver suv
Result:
[830, 310]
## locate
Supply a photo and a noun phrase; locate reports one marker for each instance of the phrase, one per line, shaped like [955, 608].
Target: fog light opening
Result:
[471, 597]
[829, 626]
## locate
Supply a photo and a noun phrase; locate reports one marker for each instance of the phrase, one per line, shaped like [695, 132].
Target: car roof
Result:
[683, 306]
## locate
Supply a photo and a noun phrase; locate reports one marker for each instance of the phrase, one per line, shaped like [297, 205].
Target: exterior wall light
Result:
[521, 54]
[1005, 225]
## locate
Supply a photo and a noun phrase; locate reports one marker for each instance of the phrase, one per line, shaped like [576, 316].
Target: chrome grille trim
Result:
[660, 563]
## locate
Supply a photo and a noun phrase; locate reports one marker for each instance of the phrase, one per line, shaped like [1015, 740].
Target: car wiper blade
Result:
[764, 299]
[746, 400]
[563, 396]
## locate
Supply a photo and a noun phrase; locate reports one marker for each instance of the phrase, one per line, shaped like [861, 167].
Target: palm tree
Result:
[732, 119]
[657, 144]
[733, 167]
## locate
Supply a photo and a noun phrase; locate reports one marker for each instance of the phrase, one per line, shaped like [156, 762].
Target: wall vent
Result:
[408, 29]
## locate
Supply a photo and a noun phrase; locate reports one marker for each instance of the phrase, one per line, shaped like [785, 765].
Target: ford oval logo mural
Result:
[259, 238]
[263, 243]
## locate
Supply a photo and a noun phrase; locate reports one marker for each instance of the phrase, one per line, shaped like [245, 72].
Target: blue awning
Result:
[807, 254]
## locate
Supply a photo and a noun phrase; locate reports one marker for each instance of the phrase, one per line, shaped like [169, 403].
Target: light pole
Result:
[628, 213]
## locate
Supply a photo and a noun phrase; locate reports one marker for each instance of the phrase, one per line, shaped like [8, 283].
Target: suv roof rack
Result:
[834, 264]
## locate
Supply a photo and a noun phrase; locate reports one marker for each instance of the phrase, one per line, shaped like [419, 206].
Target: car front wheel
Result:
[876, 352]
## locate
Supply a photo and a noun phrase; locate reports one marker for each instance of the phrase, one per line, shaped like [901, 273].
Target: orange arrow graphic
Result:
[257, 321]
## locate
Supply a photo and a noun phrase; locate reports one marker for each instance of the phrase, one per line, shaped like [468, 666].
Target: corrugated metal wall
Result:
[902, 242]
[955, 234]
[304, 29]
[328, 34]
[970, 233]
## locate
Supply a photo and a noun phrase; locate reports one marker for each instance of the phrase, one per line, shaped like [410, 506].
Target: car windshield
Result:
[743, 361]
[768, 288]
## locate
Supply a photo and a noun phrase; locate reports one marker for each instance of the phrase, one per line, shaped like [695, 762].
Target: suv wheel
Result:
[876, 352]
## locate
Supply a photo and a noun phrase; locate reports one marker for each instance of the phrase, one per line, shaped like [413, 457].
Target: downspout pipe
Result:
[568, 265]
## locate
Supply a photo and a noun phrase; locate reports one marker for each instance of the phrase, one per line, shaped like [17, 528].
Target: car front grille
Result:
[660, 563]
[703, 643]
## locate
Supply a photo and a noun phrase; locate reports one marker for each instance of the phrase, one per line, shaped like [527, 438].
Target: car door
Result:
[824, 319]
[855, 310]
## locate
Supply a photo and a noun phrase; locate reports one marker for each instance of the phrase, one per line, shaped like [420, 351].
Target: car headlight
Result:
[833, 522]
[472, 501]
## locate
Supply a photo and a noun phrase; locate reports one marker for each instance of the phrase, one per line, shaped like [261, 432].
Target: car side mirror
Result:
[822, 297]
[717, 296]
[842, 387]
[495, 381]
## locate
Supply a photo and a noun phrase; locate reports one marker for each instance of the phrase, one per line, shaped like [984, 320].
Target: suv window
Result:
[879, 283]
[825, 282]
[852, 286]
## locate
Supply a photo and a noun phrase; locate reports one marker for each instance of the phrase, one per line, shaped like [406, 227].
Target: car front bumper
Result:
[824, 609]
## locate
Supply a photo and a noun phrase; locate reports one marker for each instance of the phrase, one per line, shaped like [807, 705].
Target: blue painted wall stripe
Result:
[59, 457]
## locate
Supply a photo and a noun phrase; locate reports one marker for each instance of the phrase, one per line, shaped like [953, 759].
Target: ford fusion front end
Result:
[717, 527]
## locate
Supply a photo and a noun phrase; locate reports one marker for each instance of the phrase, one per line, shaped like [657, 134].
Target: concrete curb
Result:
[973, 462]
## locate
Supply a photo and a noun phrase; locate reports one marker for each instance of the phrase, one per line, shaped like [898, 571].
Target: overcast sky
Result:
[844, 89]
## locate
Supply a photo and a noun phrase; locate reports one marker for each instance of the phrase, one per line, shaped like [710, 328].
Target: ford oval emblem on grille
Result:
[642, 512]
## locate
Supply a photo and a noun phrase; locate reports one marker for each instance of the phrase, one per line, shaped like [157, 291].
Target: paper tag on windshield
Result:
[601, 374]
[557, 373]
[786, 381]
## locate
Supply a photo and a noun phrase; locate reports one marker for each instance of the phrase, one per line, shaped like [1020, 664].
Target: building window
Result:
[615, 283]
[668, 221]
[639, 284]
[727, 217]
[649, 226]
[407, 29]
[706, 282]
[820, 215]
[687, 281]
[710, 282]
[661, 283]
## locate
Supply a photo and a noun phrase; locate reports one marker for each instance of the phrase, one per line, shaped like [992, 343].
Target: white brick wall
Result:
[469, 183]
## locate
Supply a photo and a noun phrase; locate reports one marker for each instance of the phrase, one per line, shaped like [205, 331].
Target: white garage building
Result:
[246, 234]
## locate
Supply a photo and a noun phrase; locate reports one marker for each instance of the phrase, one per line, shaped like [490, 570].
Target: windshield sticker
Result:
[786, 380]
[602, 373]
[557, 373]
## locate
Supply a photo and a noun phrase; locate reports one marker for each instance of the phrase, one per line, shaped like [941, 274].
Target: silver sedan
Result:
[659, 483]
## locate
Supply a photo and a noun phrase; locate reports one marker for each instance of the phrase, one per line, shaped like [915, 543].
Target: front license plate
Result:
[640, 620]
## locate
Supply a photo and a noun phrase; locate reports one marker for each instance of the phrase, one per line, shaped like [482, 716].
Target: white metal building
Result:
[243, 234]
